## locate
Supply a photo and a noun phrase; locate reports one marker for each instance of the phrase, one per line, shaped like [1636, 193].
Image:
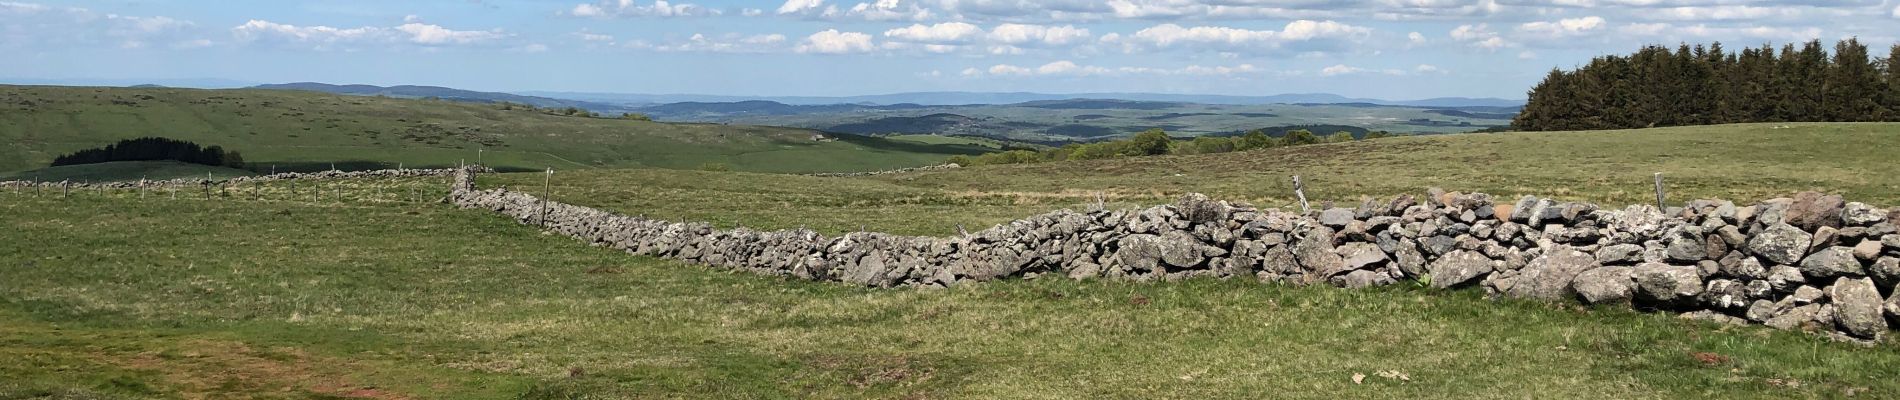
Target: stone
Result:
[1861, 214]
[1521, 212]
[1794, 317]
[1781, 244]
[1686, 245]
[1832, 262]
[1858, 308]
[1605, 285]
[1885, 270]
[1824, 237]
[1812, 210]
[1410, 261]
[1458, 268]
[1785, 278]
[1725, 294]
[1746, 267]
[1806, 295]
[1620, 254]
[1361, 255]
[1336, 218]
[1316, 254]
[1732, 235]
[1867, 250]
[1891, 242]
[1760, 310]
[1439, 245]
[1667, 284]
[1359, 279]
[1712, 317]
[1549, 277]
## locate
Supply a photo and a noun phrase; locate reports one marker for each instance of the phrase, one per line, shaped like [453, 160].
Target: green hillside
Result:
[304, 130]
[125, 171]
[277, 294]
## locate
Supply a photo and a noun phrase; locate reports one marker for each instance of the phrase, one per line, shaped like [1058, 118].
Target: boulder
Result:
[1812, 210]
[1781, 244]
[1336, 218]
[1364, 279]
[1760, 310]
[1361, 255]
[1620, 254]
[1605, 285]
[1886, 270]
[1458, 268]
[1686, 245]
[1858, 308]
[1667, 284]
[1832, 262]
[1785, 278]
[1549, 277]
[1867, 250]
[1316, 254]
[1861, 214]
[1793, 317]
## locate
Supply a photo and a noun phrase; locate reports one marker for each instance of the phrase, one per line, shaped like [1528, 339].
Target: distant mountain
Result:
[974, 98]
[693, 110]
[451, 94]
[192, 83]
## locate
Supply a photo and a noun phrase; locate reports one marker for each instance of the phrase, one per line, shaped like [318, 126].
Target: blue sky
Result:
[1394, 49]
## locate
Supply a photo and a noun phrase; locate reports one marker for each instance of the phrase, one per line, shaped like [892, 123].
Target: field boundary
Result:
[1811, 262]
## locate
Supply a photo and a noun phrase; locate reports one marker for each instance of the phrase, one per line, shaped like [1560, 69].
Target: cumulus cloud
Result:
[1302, 34]
[1479, 36]
[879, 10]
[727, 43]
[326, 37]
[831, 41]
[948, 32]
[1022, 34]
[1343, 69]
[632, 8]
[1564, 28]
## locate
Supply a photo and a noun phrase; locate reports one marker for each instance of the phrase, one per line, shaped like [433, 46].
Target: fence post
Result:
[1660, 204]
[547, 190]
[65, 189]
[141, 187]
[1299, 190]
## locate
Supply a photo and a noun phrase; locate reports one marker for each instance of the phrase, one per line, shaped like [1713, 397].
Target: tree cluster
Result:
[154, 149]
[1698, 85]
[1157, 142]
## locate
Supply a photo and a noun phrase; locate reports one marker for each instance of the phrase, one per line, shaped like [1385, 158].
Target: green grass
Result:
[297, 299]
[126, 171]
[1743, 163]
[296, 130]
[278, 294]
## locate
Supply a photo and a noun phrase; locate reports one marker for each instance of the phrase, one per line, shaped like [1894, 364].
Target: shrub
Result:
[1299, 137]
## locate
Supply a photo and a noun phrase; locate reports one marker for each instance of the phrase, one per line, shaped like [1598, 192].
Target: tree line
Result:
[1700, 85]
[1155, 142]
[154, 149]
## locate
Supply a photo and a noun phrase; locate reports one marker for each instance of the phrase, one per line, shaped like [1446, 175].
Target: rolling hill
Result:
[443, 93]
[298, 130]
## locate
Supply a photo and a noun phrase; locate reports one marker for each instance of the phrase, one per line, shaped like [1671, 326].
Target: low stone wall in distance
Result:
[195, 182]
[1810, 261]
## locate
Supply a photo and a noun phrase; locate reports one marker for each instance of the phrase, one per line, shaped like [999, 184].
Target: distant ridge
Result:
[451, 94]
[968, 98]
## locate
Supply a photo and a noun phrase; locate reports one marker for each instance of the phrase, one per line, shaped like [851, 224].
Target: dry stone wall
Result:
[940, 167]
[194, 182]
[1811, 261]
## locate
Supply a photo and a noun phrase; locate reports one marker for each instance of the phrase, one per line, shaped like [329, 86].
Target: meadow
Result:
[369, 289]
[306, 131]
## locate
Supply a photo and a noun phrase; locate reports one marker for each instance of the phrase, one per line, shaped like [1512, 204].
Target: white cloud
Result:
[948, 32]
[1415, 38]
[9, 7]
[1480, 36]
[1302, 34]
[1563, 27]
[324, 36]
[632, 8]
[1340, 69]
[1005, 69]
[1896, 11]
[1429, 69]
[831, 41]
[1020, 34]
[889, 10]
[1065, 68]
[727, 43]
[799, 6]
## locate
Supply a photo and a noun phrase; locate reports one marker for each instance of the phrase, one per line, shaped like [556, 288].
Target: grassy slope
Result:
[125, 171]
[1737, 162]
[312, 300]
[312, 130]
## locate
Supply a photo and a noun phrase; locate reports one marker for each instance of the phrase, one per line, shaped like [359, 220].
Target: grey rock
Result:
[1439, 245]
[1686, 245]
[1785, 278]
[1806, 295]
[1858, 308]
[1605, 285]
[1886, 270]
[1409, 260]
[1794, 317]
[1549, 277]
[1364, 279]
[1336, 218]
[1760, 310]
[1620, 254]
[1732, 236]
[1813, 210]
[1712, 317]
[1458, 268]
[1824, 237]
[1521, 212]
[1861, 214]
[1747, 268]
[1361, 255]
[1867, 250]
[1725, 294]
[1315, 252]
[1780, 243]
[1832, 262]
[1667, 284]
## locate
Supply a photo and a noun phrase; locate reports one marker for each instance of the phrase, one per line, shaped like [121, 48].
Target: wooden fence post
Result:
[1660, 204]
[547, 190]
[1299, 190]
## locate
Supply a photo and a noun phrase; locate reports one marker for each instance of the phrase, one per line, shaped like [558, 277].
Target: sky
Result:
[1391, 49]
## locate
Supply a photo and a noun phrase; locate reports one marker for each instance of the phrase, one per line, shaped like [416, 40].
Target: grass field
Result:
[125, 171]
[393, 299]
[386, 295]
[309, 131]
